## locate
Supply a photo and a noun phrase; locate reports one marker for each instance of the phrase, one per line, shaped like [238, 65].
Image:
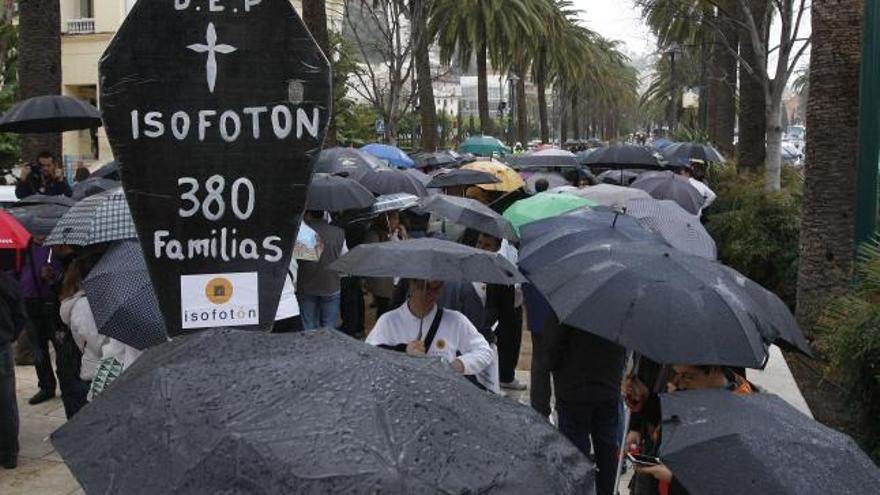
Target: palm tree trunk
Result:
[563, 118]
[751, 148]
[575, 118]
[486, 127]
[39, 65]
[427, 108]
[314, 13]
[722, 112]
[522, 126]
[827, 221]
[541, 83]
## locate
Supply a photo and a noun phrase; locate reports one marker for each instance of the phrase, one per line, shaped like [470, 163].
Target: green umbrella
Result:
[543, 205]
[483, 146]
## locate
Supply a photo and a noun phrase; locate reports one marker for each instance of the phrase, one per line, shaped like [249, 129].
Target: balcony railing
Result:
[80, 26]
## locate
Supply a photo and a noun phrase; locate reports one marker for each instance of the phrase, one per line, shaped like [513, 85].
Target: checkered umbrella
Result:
[122, 298]
[676, 226]
[100, 218]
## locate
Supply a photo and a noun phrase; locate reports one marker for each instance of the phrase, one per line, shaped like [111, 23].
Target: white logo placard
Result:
[219, 300]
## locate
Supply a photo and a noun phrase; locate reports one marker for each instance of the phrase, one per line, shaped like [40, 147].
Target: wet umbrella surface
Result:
[721, 443]
[315, 412]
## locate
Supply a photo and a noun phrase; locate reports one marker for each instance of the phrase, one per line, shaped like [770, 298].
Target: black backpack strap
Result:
[432, 332]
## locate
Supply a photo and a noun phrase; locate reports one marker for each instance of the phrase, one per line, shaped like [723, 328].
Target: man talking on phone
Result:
[42, 177]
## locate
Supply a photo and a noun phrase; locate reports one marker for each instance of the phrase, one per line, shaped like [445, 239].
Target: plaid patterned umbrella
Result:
[676, 226]
[100, 218]
[122, 298]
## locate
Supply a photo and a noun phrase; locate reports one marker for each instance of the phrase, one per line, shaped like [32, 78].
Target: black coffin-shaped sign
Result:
[216, 111]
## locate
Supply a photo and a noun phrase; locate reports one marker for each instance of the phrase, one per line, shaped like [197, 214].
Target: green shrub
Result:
[757, 233]
[849, 335]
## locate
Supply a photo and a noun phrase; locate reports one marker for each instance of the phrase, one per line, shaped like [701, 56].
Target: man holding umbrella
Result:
[318, 289]
[422, 327]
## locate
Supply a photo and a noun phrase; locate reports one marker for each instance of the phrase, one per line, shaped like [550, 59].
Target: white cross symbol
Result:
[212, 48]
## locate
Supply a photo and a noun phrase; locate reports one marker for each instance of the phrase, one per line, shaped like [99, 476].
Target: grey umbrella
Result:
[667, 185]
[391, 181]
[333, 193]
[681, 154]
[348, 161]
[553, 179]
[387, 203]
[226, 411]
[625, 156]
[50, 113]
[469, 213]
[39, 219]
[722, 443]
[109, 170]
[664, 304]
[100, 218]
[42, 199]
[611, 195]
[427, 259]
[122, 299]
[677, 227]
[622, 177]
[461, 177]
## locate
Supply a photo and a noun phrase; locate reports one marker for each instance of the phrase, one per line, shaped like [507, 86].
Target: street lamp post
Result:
[673, 50]
[511, 81]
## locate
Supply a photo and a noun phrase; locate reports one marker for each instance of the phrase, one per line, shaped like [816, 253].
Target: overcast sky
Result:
[617, 20]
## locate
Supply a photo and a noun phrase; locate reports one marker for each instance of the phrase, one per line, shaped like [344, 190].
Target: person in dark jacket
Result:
[317, 288]
[12, 322]
[42, 177]
[40, 275]
[587, 372]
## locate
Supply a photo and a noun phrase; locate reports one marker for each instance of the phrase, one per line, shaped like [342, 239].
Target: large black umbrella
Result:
[622, 177]
[39, 219]
[348, 161]
[681, 154]
[677, 227]
[226, 411]
[122, 298]
[722, 443]
[428, 159]
[50, 113]
[561, 235]
[42, 199]
[92, 186]
[469, 213]
[390, 181]
[109, 170]
[624, 156]
[427, 259]
[667, 185]
[461, 177]
[667, 305]
[334, 193]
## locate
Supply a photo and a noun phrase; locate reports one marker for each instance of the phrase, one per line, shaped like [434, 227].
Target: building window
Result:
[86, 9]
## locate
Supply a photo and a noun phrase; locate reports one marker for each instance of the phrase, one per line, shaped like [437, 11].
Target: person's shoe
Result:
[513, 385]
[41, 396]
[10, 463]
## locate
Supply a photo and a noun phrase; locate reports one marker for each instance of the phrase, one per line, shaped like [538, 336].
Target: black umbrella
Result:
[92, 186]
[42, 199]
[622, 177]
[722, 443]
[427, 259]
[461, 177]
[109, 170]
[538, 160]
[549, 240]
[664, 304]
[50, 113]
[427, 159]
[333, 193]
[226, 411]
[122, 298]
[677, 227]
[349, 161]
[39, 219]
[385, 204]
[681, 154]
[469, 213]
[390, 181]
[624, 156]
[667, 185]
[419, 175]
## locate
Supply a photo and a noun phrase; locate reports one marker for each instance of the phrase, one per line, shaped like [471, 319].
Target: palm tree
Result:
[751, 148]
[420, 10]
[467, 29]
[39, 65]
[827, 219]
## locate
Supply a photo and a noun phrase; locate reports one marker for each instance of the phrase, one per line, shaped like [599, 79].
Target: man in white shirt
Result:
[704, 190]
[455, 340]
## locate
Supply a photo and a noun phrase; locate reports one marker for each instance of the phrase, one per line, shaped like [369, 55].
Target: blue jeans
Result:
[597, 422]
[8, 406]
[318, 311]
